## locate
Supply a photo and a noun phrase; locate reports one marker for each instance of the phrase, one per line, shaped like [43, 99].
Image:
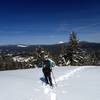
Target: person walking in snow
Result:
[47, 69]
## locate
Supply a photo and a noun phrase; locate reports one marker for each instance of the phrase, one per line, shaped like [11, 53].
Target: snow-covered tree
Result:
[74, 54]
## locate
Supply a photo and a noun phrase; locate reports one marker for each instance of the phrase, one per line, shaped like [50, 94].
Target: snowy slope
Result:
[75, 83]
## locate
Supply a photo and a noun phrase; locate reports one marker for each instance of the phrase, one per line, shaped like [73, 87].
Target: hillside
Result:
[26, 56]
[75, 83]
[52, 48]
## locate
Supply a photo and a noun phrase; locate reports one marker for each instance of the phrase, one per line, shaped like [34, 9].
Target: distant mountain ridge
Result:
[52, 48]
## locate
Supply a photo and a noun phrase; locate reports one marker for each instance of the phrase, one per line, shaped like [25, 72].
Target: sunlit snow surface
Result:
[73, 83]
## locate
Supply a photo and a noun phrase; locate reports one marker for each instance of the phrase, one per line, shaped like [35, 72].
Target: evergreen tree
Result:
[74, 54]
[73, 41]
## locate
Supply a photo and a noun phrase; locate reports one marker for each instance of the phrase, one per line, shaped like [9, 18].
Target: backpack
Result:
[52, 63]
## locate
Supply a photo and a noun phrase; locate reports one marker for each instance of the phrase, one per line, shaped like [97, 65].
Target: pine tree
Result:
[74, 54]
[73, 42]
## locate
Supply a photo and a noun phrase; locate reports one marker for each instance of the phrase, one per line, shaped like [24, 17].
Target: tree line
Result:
[69, 55]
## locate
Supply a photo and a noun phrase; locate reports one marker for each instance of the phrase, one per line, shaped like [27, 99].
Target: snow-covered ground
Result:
[75, 83]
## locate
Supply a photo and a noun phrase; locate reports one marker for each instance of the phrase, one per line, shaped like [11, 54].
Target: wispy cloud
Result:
[62, 27]
[81, 28]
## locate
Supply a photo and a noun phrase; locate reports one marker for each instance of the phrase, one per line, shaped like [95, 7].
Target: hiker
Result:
[47, 69]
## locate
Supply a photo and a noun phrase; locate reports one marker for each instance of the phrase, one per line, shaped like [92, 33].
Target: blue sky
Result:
[48, 21]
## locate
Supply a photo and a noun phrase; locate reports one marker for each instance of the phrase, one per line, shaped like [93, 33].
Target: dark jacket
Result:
[47, 64]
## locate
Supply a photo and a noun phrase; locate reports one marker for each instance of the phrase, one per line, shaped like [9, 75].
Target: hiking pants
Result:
[47, 75]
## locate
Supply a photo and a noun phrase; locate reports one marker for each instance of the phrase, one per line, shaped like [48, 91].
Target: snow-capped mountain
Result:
[60, 42]
[21, 45]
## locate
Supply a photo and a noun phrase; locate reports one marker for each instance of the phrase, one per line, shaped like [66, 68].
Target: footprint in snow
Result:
[46, 90]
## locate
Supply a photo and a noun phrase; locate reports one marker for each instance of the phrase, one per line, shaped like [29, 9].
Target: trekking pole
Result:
[54, 78]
